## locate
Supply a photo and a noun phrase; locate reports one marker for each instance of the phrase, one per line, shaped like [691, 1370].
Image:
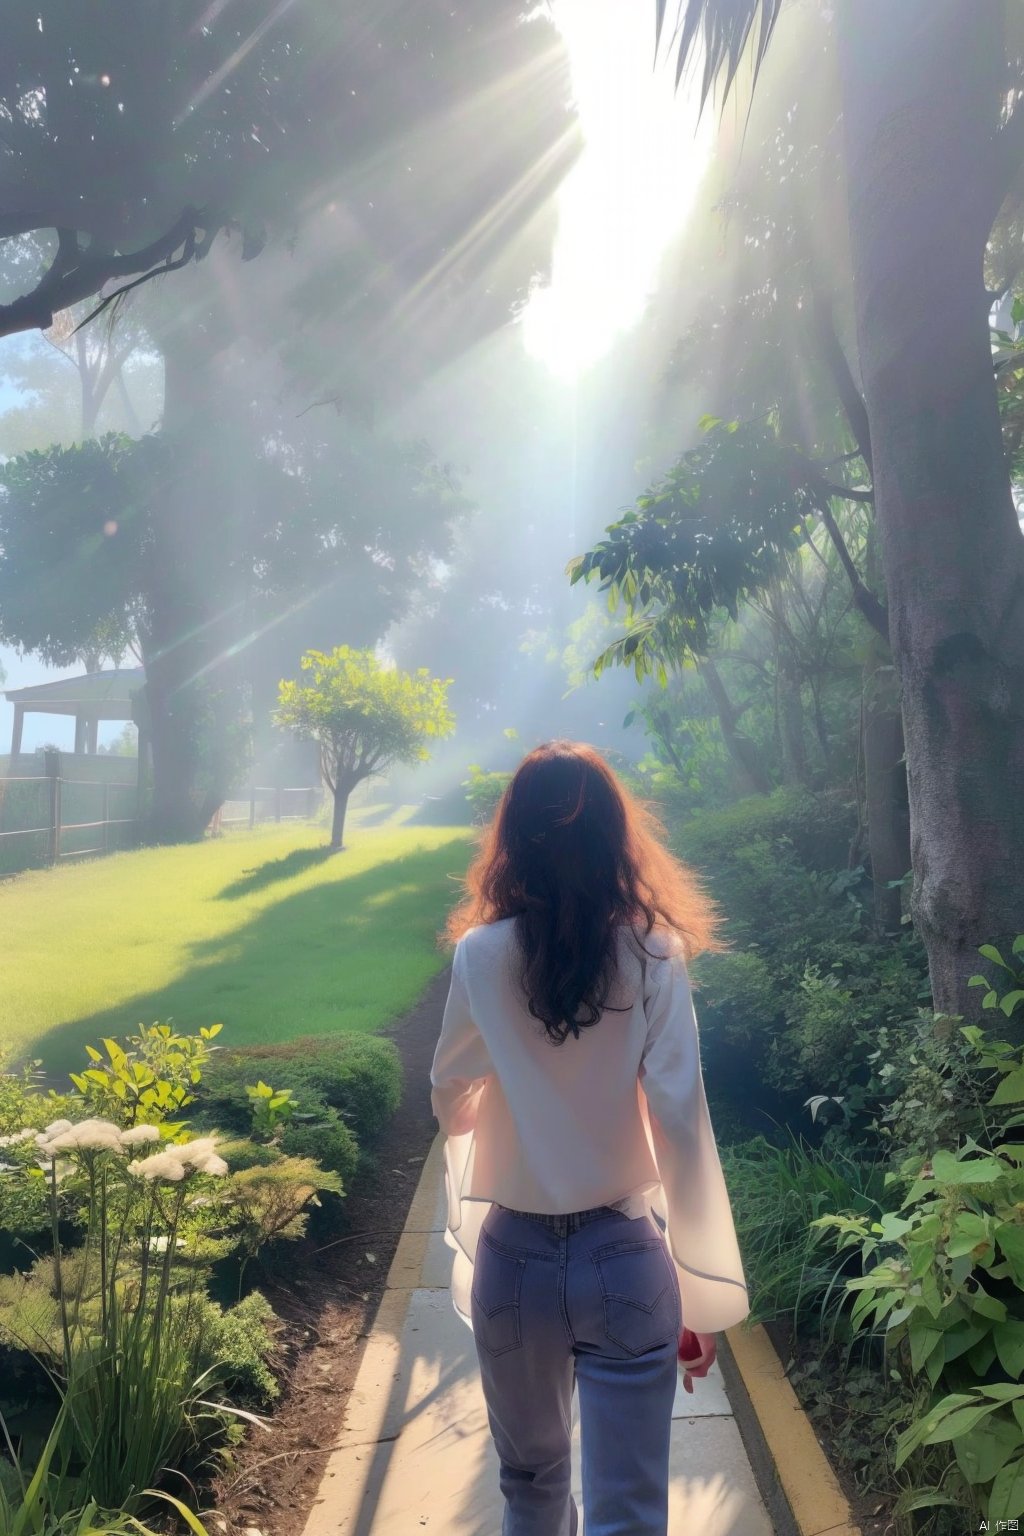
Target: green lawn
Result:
[261, 931]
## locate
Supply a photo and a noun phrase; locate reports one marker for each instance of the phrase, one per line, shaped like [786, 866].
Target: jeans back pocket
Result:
[641, 1294]
[497, 1282]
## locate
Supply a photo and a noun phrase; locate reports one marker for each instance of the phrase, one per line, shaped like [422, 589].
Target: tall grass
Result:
[776, 1192]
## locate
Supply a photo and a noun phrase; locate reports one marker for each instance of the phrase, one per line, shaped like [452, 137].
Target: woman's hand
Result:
[697, 1353]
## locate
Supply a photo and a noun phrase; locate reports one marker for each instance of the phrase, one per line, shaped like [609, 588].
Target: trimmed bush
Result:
[819, 827]
[328, 1142]
[360, 1076]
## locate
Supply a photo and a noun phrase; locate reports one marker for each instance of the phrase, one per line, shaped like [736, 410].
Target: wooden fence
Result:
[46, 818]
[277, 803]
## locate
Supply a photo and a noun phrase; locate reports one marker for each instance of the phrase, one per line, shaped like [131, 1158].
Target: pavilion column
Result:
[79, 735]
[93, 736]
[19, 727]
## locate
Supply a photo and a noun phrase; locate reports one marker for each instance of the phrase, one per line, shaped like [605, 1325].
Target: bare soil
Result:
[326, 1293]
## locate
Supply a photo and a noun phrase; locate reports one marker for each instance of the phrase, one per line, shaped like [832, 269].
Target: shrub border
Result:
[802, 1494]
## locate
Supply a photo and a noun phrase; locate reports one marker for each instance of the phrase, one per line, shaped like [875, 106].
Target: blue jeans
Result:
[589, 1300]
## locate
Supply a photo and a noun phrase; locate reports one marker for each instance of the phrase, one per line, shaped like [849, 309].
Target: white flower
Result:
[193, 1153]
[162, 1165]
[55, 1128]
[214, 1165]
[139, 1134]
[17, 1136]
[86, 1136]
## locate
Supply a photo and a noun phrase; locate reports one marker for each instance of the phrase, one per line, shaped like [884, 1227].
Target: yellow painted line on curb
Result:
[813, 1492]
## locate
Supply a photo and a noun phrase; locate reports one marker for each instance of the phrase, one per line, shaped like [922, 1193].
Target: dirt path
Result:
[327, 1301]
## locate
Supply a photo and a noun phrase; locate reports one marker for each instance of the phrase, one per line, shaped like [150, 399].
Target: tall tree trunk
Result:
[752, 776]
[920, 85]
[791, 724]
[885, 786]
[190, 692]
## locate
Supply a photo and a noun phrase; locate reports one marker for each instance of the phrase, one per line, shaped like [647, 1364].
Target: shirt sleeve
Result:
[700, 1227]
[462, 1061]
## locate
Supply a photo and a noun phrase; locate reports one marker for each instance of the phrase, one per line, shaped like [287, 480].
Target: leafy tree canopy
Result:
[366, 717]
[421, 137]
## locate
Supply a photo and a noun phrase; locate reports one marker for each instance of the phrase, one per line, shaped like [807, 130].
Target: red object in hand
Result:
[695, 1357]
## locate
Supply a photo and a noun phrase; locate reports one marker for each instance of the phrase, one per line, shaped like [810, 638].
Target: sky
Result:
[628, 194]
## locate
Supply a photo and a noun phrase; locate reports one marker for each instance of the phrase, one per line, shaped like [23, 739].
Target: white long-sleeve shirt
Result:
[617, 1116]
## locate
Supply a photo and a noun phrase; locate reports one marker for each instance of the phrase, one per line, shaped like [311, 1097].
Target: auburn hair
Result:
[571, 855]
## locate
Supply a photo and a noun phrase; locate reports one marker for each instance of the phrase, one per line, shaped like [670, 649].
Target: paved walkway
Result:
[416, 1455]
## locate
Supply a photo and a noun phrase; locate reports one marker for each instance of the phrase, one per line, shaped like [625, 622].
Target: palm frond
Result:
[723, 29]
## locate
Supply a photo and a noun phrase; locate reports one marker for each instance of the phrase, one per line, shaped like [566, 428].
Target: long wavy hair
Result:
[571, 855]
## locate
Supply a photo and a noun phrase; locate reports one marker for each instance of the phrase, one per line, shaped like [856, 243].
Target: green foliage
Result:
[66, 588]
[360, 1076]
[272, 1108]
[149, 1078]
[718, 528]
[327, 1141]
[798, 1002]
[112, 1320]
[366, 717]
[776, 1193]
[484, 789]
[269, 1201]
[35, 1503]
[818, 827]
[943, 1270]
[236, 1344]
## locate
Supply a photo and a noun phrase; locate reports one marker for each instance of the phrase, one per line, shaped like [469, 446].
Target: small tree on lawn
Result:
[365, 716]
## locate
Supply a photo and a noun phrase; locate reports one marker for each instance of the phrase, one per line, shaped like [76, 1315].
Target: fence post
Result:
[51, 767]
[106, 817]
[252, 804]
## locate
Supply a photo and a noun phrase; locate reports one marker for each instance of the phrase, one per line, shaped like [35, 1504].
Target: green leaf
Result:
[988, 1306]
[923, 1341]
[948, 1426]
[989, 1446]
[970, 1231]
[1006, 1499]
[1010, 1001]
[949, 1169]
[1009, 1342]
[1018, 945]
[991, 953]
[981, 1357]
[1010, 1089]
[1010, 1237]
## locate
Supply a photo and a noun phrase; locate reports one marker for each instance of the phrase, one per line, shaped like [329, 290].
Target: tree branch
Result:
[837, 363]
[75, 275]
[863, 597]
[847, 492]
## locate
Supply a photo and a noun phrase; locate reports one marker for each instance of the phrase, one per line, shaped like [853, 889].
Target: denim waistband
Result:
[571, 1222]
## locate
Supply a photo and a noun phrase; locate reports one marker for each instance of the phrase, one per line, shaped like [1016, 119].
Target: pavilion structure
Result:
[93, 697]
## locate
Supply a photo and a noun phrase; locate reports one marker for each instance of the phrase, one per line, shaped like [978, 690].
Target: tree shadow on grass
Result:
[285, 868]
[374, 815]
[350, 954]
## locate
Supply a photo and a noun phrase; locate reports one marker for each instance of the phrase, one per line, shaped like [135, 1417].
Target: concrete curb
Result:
[801, 1491]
